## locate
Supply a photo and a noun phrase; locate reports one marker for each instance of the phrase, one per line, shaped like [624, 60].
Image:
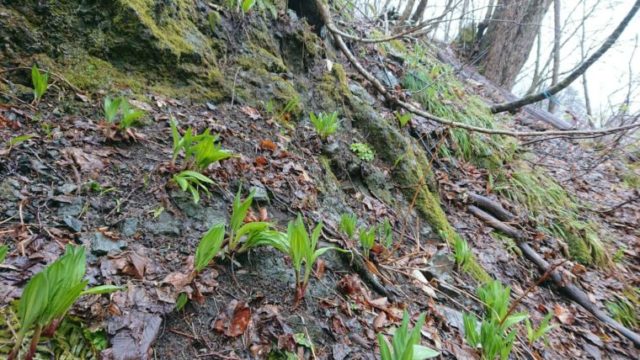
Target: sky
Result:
[607, 79]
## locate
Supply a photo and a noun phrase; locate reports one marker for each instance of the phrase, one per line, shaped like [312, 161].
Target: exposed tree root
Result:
[570, 290]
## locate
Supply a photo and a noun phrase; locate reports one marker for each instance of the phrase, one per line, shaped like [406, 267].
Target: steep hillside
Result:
[257, 80]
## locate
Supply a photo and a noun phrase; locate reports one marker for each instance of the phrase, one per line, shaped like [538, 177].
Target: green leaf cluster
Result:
[49, 294]
[302, 250]
[405, 344]
[348, 223]
[129, 116]
[363, 151]
[200, 150]
[40, 83]
[193, 182]
[325, 124]
[403, 119]
[209, 247]
[496, 333]
[4, 249]
[367, 239]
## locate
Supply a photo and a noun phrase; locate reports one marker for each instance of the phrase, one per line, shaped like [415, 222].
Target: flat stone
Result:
[74, 209]
[165, 225]
[102, 245]
[260, 194]
[453, 317]
[9, 190]
[73, 223]
[387, 78]
[440, 266]
[67, 188]
[129, 227]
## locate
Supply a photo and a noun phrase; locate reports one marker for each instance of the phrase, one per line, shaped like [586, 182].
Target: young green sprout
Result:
[406, 343]
[193, 182]
[325, 124]
[49, 294]
[403, 119]
[348, 224]
[385, 232]
[40, 83]
[302, 250]
[534, 334]
[367, 239]
[4, 249]
[209, 247]
[497, 331]
[200, 150]
[111, 108]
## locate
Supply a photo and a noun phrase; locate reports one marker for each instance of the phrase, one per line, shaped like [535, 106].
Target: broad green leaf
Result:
[19, 139]
[209, 246]
[33, 302]
[385, 353]
[514, 319]
[3, 252]
[251, 227]
[102, 289]
[422, 352]
[240, 209]
[197, 175]
[247, 5]
[181, 301]
[61, 303]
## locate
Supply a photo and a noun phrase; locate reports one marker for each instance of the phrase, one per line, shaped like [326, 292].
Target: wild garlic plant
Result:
[348, 223]
[497, 332]
[367, 240]
[199, 150]
[406, 343]
[40, 83]
[192, 182]
[50, 294]
[303, 250]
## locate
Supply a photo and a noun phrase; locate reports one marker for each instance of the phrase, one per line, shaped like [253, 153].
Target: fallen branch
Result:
[326, 18]
[570, 290]
[491, 206]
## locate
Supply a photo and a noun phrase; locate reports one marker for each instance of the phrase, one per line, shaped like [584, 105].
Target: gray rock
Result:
[74, 209]
[102, 245]
[165, 225]
[73, 223]
[454, 317]
[9, 190]
[197, 212]
[360, 92]
[331, 148]
[129, 227]
[387, 78]
[260, 194]
[67, 188]
[440, 266]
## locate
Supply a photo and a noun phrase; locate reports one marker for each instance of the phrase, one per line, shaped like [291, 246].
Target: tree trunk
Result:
[505, 47]
[556, 50]
[419, 13]
[408, 10]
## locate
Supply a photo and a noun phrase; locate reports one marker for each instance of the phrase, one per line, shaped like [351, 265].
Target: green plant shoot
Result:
[325, 124]
[363, 151]
[40, 83]
[348, 224]
[209, 247]
[367, 239]
[193, 182]
[406, 343]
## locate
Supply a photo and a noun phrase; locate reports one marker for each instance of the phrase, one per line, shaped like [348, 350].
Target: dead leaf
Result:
[252, 113]
[261, 161]
[235, 320]
[380, 321]
[268, 145]
[563, 314]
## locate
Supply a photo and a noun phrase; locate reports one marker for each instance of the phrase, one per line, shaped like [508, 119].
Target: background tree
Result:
[504, 48]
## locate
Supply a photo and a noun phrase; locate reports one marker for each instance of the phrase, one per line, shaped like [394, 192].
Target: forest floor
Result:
[67, 183]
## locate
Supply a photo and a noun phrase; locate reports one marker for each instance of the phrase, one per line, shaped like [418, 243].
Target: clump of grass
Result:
[40, 83]
[363, 151]
[625, 312]
[555, 211]
[325, 124]
[406, 342]
[462, 253]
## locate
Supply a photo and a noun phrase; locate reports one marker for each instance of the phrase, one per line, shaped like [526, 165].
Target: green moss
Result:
[332, 89]
[174, 32]
[411, 171]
